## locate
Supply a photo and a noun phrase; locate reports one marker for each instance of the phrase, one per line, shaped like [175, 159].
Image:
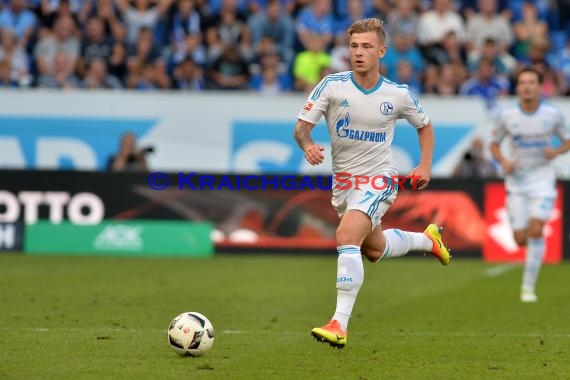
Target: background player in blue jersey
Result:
[361, 109]
[530, 179]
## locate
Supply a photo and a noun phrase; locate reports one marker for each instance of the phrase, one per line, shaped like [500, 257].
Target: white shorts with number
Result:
[371, 201]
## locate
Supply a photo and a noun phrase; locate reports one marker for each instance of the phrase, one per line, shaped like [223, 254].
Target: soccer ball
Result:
[191, 334]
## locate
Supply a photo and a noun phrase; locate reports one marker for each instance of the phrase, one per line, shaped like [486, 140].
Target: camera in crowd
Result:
[133, 157]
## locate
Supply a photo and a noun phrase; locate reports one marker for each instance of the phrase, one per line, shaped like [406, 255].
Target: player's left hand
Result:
[550, 153]
[422, 175]
[314, 154]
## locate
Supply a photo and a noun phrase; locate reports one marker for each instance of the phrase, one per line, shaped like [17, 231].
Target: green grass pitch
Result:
[106, 318]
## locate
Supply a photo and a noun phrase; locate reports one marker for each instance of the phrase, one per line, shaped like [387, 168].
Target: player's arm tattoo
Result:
[302, 133]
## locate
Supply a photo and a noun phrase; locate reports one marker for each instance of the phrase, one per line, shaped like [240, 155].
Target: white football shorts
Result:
[367, 199]
[522, 208]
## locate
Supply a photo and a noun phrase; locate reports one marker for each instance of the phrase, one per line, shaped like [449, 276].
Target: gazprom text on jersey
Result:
[355, 134]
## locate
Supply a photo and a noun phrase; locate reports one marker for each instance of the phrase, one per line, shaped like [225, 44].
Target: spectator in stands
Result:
[488, 24]
[449, 82]
[215, 7]
[379, 8]
[6, 80]
[340, 58]
[341, 8]
[246, 48]
[405, 74]
[271, 76]
[96, 44]
[450, 50]
[51, 10]
[129, 157]
[145, 50]
[141, 16]
[430, 79]
[147, 79]
[230, 27]
[486, 84]
[316, 22]
[468, 8]
[185, 21]
[310, 65]
[213, 19]
[229, 72]
[288, 6]
[16, 58]
[113, 21]
[265, 45]
[563, 19]
[504, 62]
[188, 76]
[60, 74]
[474, 164]
[403, 48]
[175, 30]
[563, 63]
[133, 75]
[97, 76]
[214, 46]
[117, 63]
[150, 76]
[63, 39]
[538, 52]
[442, 80]
[403, 19]
[162, 79]
[553, 82]
[528, 29]
[277, 25]
[434, 24]
[267, 83]
[191, 47]
[354, 11]
[19, 20]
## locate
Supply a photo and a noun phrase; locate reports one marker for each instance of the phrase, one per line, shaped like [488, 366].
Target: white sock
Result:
[350, 275]
[533, 262]
[399, 243]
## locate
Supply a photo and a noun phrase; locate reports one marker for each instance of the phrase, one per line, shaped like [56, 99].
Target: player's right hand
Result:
[550, 153]
[314, 154]
[507, 166]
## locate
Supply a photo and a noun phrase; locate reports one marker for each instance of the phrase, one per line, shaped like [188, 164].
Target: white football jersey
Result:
[361, 122]
[528, 134]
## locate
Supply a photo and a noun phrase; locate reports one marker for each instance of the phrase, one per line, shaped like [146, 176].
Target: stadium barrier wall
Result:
[72, 212]
[212, 132]
[120, 238]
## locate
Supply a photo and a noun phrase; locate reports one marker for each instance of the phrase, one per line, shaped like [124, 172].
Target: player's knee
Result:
[372, 255]
[535, 231]
[344, 236]
[520, 238]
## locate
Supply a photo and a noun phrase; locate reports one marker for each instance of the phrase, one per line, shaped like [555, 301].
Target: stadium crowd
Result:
[273, 46]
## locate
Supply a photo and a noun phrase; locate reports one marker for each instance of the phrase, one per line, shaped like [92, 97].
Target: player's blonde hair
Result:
[368, 25]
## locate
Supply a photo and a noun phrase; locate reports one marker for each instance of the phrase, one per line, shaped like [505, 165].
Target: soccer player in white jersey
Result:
[361, 108]
[529, 178]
